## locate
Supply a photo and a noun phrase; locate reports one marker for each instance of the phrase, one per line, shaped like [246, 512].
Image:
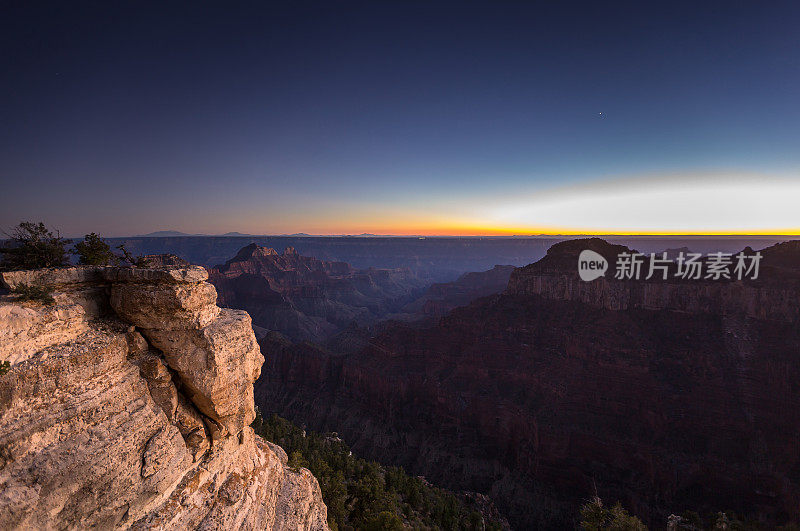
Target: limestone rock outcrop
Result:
[213, 350]
[128, 404]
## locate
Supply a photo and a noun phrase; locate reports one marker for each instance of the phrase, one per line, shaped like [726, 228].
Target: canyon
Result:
[127, 404]
[442, 297]
[667, 395]
[435, 259]
[128, 401]
[306, 298]
[438, 259]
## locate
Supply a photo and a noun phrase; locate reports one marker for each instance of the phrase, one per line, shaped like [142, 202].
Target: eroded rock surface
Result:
[665, 395]
[307, 298]
[137, 416]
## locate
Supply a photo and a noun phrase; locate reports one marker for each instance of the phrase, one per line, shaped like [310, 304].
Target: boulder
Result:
[217, 366]
[170, 306]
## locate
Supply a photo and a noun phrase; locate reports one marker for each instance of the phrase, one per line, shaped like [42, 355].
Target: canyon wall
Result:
[128, 403]
[437, 259]
[667, 396]
[306, 298]
[772, 296]
[442, 297]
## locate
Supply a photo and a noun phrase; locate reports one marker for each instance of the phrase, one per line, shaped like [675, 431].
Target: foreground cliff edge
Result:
[128, 404]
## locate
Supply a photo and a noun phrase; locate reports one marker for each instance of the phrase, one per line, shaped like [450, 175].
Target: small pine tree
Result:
[94, 251]
[43, 294]
[33, 246]
[383, 521]
[595, 517]
[723, 522]
[135, 261]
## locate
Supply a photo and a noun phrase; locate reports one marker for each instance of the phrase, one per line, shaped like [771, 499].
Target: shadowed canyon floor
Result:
[666, 395]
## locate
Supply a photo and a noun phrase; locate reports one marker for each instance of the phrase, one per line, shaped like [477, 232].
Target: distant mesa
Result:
[237, 234]
[176, 233]
[165, 234]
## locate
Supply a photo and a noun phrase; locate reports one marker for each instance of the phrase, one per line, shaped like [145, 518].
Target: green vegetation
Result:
[94, 251]
[43, 294]
[33, 246]
[365, 495]
[134, 260]
[5, 366]
[691, 520]
[596, 517]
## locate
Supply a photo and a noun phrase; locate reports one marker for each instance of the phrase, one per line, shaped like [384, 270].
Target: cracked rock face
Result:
[166, 306]
[213, 350]
[137, 416]
[217, 365]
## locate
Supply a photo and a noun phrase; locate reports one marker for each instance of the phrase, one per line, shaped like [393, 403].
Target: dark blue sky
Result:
[406, 117]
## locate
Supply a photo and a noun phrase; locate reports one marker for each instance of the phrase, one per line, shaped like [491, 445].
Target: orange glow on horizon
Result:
[471, 230]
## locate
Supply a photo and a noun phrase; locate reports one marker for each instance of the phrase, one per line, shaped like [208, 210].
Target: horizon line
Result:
[760, 234]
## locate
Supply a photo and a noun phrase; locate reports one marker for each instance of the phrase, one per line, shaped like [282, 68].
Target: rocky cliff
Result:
[442, 297]
[772, 296]
[667, 396]
[306, 298]
[128, 403]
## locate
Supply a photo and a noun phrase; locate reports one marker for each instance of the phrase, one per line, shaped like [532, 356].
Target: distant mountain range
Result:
[175, 233]
[610, 238]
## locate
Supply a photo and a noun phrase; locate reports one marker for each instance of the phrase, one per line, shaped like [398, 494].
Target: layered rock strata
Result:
[128, 404]
[771, 296]
[306, 298]
[665, 395]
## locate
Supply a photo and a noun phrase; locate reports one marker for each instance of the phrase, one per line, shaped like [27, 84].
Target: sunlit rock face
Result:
[128, 404]
[667, 396]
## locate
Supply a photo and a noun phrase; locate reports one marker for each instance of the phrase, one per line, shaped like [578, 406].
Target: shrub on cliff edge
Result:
[134, 260]
[94, 251]
[596, 517]
[33, 246]
[365, 495]
[41, 294]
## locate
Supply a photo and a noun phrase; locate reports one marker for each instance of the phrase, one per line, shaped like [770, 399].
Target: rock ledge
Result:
[128, 404]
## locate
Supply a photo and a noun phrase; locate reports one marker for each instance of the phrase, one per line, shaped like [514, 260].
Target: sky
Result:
[408, 117]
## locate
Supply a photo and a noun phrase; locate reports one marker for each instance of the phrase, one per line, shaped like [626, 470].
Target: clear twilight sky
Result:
[401, 117]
